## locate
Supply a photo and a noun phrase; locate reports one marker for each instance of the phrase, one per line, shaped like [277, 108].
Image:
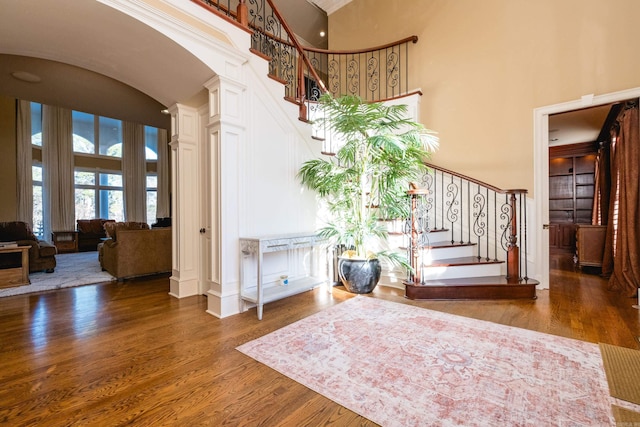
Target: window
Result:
[36, 124]
[152, 197]
[151, 155]
[151, 143]
[98, 182]
[99, 195]
[107, 133]
[38, 217]
[36, 171]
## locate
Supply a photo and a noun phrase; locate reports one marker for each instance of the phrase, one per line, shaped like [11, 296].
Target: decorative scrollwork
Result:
[255, 8]
[393, 70]
[272, 26]
[506, 214]
[353, 76]
[287, 64]
[479, 214]
[372, 74]
[452, 202]
[334, 76]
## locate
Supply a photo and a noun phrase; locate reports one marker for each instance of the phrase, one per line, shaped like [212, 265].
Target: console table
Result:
[255, 248]
[15, 276]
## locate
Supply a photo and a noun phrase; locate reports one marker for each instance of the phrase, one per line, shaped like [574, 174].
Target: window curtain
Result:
[57, 159]
[623, 224]
[25, 161]
[163, 209]
[134, 170]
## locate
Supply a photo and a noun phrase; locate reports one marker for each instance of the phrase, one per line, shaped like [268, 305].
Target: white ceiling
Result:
[577, 126]
[330, 6]
[87, 35]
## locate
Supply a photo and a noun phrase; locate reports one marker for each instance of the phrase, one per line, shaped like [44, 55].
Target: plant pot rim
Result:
[357, 258]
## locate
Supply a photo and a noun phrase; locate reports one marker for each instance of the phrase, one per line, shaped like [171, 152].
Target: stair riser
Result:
[491, 292]
[439, 237]
[459, 271]
[444, 253]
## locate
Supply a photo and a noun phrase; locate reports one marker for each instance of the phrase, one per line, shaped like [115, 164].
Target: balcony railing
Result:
[374, 74]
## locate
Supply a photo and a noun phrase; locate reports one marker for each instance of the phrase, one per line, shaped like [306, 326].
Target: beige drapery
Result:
[163, 208]
[134, 171]
[24, 165]
[57, 162]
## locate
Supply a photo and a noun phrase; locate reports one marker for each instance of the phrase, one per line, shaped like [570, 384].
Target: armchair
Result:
[42, 254]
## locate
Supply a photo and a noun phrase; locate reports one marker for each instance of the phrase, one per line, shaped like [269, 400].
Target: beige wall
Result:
[8, 185]
[483, 68]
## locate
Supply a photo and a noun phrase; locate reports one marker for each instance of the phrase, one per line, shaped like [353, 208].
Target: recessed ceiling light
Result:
[26, 77]
[322, 33]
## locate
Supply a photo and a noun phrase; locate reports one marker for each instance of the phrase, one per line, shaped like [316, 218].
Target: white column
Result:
[226, 133]
[184, 200]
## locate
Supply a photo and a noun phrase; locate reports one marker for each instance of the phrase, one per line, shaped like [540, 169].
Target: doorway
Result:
[542, 138]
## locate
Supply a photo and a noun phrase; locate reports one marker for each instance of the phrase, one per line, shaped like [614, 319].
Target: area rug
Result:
[400, 365]
[72, 269]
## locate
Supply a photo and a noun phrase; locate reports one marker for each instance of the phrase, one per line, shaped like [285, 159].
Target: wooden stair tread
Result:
[472, 288]
[477, 281]
[467, 260]
[441, 245]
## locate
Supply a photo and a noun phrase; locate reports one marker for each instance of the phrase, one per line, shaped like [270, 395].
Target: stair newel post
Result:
[415, 275]
[243, 13]
[513, 252]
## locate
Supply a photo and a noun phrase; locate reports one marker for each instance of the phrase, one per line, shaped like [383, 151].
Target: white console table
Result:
[251, 247]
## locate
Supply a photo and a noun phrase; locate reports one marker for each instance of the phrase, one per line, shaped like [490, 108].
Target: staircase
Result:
[454, 271]
[465, 239]
[464, 236]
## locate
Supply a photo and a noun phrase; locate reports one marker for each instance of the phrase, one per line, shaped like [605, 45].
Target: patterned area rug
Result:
[400, 365]
[73, 269]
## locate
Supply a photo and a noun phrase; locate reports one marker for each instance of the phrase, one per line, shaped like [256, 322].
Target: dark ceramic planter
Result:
[359, 276]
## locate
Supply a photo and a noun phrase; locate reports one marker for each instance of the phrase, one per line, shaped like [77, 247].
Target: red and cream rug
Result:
[400, 365]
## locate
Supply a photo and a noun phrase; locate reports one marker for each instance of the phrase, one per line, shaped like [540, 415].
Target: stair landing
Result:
[472, 288]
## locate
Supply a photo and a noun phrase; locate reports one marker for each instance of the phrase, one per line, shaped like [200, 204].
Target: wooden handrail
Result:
[297, 45]
[413, 39]
[476, 181]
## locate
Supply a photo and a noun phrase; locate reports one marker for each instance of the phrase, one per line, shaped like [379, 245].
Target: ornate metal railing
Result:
[374, 74]
[471, 212]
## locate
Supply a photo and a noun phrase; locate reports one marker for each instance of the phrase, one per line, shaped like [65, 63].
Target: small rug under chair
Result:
[622, 368]
[72, 269]
[401, 365]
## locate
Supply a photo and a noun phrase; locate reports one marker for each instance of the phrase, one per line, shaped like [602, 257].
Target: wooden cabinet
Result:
[562, 236]
[590, 245]
[571, 190]
[65, 241]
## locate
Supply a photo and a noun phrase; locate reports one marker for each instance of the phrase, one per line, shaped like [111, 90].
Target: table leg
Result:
[25, 267]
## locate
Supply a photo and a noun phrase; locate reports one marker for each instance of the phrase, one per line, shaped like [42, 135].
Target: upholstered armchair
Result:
[91, 232]
[133, 249]
[42, 254]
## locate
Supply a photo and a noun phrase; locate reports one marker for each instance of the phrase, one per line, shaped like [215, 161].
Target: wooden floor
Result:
[129, 354]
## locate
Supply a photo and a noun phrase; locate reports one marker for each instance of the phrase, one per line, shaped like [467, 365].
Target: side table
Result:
[65, 241]
[15, 276]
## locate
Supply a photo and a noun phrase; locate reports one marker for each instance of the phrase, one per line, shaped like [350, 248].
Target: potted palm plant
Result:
[365, 183]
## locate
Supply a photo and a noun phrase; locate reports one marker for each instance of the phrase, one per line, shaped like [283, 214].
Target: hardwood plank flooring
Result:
[129, 354]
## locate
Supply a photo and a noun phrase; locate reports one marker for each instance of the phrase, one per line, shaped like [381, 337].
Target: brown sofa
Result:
[42, 254]
[90, 233]
[131, 251]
